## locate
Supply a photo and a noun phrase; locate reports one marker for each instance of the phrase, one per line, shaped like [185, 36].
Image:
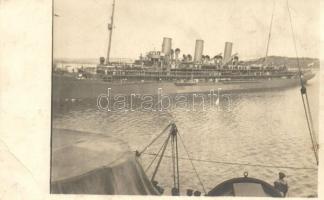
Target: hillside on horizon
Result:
[290, 62]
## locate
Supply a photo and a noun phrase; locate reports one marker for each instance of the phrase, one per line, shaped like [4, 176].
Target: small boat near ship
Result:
[190, 82]
[185, 83]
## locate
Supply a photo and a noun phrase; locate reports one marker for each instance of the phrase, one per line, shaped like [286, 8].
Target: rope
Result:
[310, 132]
[240, 164]
[145, 148]
[173, 135]
[173, 161]
[193, 166]
[294, 41]
[310, 117]
[307, 110]
[156, 155]
[159, 162]
[177, 159]
[270, 31]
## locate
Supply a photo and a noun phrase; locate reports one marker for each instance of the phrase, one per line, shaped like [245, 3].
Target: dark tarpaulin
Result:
[88, 163]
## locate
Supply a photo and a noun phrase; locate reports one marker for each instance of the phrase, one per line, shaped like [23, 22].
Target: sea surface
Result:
[266, 130]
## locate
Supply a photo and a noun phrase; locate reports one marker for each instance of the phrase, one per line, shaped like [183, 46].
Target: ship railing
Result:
[187, 74]
[140, 72]
[196, 71]
[202, 76]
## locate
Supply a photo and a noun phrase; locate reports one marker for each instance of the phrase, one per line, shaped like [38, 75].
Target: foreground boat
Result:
[245, 187]
[90, 163]
[78, 167]
[86, 163]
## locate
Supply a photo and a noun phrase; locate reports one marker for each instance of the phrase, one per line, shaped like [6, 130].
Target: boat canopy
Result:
[88, 163]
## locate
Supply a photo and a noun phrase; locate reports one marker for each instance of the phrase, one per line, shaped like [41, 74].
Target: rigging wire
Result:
[239, 164]
[312, 136]
[193, 166]
[76, 21]
[161, 157]
[269, 36]
[159, 135]
[177, 159]
[173, 162]
[155, 155]
[174, 155]
[304, 95]
[311, 119]
[294, 41]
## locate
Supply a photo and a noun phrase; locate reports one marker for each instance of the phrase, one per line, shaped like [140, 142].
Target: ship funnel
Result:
[199, 48]
[166, 46]
[228, 51]
[102, 60]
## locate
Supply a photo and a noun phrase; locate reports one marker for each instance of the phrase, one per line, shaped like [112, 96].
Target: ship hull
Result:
[68, 88]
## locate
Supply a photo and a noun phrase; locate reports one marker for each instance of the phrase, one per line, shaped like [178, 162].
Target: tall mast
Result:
[110, 28]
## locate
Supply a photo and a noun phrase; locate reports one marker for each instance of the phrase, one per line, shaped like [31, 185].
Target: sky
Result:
[80, 29]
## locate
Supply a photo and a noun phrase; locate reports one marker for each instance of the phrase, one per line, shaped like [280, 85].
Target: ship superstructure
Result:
[176, 72]
[168, 65]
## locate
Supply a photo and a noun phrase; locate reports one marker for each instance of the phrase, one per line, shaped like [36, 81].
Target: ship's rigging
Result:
[304, 95]
[303, 89]
[174, 132]
[270, 29]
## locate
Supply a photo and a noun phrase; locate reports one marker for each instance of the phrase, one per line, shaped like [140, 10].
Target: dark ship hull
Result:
[65, 88]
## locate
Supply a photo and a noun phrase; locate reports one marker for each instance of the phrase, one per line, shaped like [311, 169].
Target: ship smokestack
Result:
[228, 51]
[199, 48]
[166, 46]
[102, 60]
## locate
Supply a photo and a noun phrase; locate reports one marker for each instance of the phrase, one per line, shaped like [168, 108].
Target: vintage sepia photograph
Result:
[185, 98]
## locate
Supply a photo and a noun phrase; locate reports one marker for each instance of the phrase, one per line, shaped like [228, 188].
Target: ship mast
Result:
[110, 28]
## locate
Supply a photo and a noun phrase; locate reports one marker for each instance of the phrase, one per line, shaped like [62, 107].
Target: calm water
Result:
[263, 128]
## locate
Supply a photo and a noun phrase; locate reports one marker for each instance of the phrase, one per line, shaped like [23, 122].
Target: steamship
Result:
[166, 70]
[158, 70]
